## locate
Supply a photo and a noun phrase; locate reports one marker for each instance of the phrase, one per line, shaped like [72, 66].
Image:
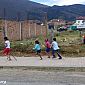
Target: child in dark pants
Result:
[48, 47]
[55, 49]
[37, 48]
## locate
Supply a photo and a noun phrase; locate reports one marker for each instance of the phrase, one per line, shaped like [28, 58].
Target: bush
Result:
[1, 46]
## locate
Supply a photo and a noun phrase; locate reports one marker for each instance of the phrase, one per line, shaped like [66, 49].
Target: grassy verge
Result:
[70, 43]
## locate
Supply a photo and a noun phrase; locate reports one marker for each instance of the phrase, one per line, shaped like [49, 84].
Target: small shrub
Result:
[1, 46]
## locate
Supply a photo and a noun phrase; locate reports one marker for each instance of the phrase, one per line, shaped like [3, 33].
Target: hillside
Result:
[25, 9]
[18, 8]
[66, 12]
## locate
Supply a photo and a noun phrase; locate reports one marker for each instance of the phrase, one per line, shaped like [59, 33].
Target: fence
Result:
[22, 30]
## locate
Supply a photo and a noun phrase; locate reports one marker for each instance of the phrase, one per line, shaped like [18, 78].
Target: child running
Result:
[37, 48]
[55, 49]
[48, 46]
[7, 49]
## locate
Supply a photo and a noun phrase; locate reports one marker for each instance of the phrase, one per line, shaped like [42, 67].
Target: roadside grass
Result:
[57, 69]
[70, 43]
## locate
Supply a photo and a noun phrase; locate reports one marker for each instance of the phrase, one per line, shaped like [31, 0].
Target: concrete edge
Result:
[56, 69]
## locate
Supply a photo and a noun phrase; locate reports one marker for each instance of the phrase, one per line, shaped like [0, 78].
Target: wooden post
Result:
[5, 24]
[29, 30]
[35, 28]
[45, 16]
[20, 23]
[41, 28]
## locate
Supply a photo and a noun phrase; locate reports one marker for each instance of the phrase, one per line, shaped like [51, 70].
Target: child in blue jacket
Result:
[37, 48]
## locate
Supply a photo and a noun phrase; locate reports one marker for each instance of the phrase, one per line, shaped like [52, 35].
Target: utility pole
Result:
[18, 16]
[27, 15]
[46, 25]
[5, 24]
[51, 28]
[29, 24]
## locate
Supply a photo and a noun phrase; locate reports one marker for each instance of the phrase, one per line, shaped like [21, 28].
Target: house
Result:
[80, 23]
[57, 22]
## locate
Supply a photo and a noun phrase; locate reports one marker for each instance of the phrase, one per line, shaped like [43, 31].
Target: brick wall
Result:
[1, 36]
[23, 30]
[13, 30]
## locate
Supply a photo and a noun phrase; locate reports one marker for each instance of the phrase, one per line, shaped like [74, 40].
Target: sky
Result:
[59, 2]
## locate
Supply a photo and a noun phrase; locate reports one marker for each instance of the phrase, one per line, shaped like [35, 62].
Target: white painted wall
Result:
[80, 23]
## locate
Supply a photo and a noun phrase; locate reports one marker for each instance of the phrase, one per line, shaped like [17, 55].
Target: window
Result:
[78, 21]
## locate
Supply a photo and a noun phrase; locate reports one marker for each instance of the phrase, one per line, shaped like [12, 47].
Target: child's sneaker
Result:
[53, 57]
[9, 59]
[40, 58]
[60, 58]
[48, 57]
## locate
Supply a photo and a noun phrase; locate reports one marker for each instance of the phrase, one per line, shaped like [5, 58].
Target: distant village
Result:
[21, 30]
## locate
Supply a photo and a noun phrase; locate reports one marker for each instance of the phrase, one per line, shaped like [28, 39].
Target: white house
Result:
[80, 23]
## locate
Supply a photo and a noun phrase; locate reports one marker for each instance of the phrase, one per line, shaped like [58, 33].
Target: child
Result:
[55, 48]
[37, 48]
[7, 49]
[48, 46]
